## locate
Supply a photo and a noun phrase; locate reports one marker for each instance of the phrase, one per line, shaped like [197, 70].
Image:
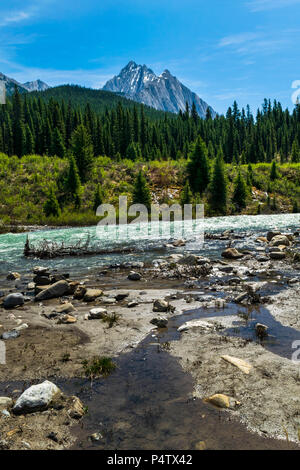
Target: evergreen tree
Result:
[51, 206]
[98, 198]
[240, 192]
[141, 192]
[295, 155]
[73, 185]
[82, 149]
[273, 174]
[198, 169]
[58, 147]
[218, 186]
[186, 196]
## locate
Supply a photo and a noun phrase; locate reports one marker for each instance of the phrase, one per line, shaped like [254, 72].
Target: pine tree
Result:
[218, 186]
[51, 206]
[295, 155]
[198, 169]
[57, 146]
[186, 196]
[82, 149]
[141, 192]
[73, 185]
[273, 174]
[240, 192]
[98, 198]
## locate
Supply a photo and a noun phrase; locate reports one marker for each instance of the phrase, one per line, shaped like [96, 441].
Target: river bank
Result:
[140, 315]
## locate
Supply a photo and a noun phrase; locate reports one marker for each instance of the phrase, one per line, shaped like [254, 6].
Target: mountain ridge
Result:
[10, 83]
[164, 92]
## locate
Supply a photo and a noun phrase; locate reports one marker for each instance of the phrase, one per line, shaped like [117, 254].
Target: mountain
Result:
[10, 84]
[164, 92]
[37, 85]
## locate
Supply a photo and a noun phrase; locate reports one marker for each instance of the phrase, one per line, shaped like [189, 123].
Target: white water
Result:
[12, 245]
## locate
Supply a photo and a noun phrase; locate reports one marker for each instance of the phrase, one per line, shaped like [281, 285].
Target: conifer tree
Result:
[57, 146]
[73, 185]
[218, 186]
[51, 206]
[141, 192]
[240, 192]
[82, 149]
[295, 155]
[198, 169]
[98, 198]
[186, 196]
[273, 174]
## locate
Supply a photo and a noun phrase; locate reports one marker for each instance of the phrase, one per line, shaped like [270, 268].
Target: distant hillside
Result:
[99, 100]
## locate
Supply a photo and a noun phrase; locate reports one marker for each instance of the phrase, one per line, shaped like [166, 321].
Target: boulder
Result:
[13, 276]
[280, 240]
[41, 270]
[64, 308]
[92, 294]
[31, 286]
[178, 243]
[134, 276]
[13, 300]
[40, 280]
[10, 335]
[232, 253]
[121, 296]
[272, 234]
[160, 322]
[262, 240]
[97, 313]
[58, 289]
[76, 410]
[201, 324]
[222, 401]
[160, 306]
[278, 255]
[79, 292]
[36, 398]
[261, 330]
[5, 403]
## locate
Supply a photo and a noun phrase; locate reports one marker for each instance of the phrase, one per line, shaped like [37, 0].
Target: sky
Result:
[224, 50]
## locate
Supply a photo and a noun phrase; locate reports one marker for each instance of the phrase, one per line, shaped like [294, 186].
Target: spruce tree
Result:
[51, 206]
[198, 169]
[295, 155]
[57, 146]
[186, 196]
[273, 174]
[73, 185]
[240, 192]
[218, 186]
[141, 192]
[82, 148]
[98, 198]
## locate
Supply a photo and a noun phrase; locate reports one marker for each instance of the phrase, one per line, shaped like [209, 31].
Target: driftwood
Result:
[46, 249]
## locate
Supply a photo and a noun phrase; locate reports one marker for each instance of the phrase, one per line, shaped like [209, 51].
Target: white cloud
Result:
[237, 39]
[262, 5]
[15, 17]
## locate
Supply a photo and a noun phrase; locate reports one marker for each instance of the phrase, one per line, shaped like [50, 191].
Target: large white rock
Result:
[201, 324]
[36, 398]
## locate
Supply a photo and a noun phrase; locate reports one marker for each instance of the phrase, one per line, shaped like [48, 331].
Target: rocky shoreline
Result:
[50, 324]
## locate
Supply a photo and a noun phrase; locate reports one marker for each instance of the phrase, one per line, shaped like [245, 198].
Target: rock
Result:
[133, 264]
[132, 304]
[10, 335]
[96, 437]
[241, 297]
[58, 289]
[73, 286]
[4, 445]
[64, 308]
[262, 240]
[272, 234]
[76, 411]
[13, 276]
[262, 259]
[79, 292]
[295, 280]
[161, 306]
[67, 319]
[203, 325]
[24, 326]
[232, 253]
[225, 269]
[280, 240]
[41, 270]
[5, 414]
[119, 297]
[278, 255]
[220, 303]
[160, 322]
[261, 330]
[52, 436]
[178, 243]
[5, 402]
[13, 300]
[92, 294]
[175, 257]
[41, 280]
[97, 313]
[190, 260]
[222, 401]
[239, 363]
[133, 276]
[31, 286]
[36, 398]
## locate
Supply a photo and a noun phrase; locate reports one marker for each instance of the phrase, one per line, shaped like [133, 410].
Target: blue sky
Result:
[222, 49]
